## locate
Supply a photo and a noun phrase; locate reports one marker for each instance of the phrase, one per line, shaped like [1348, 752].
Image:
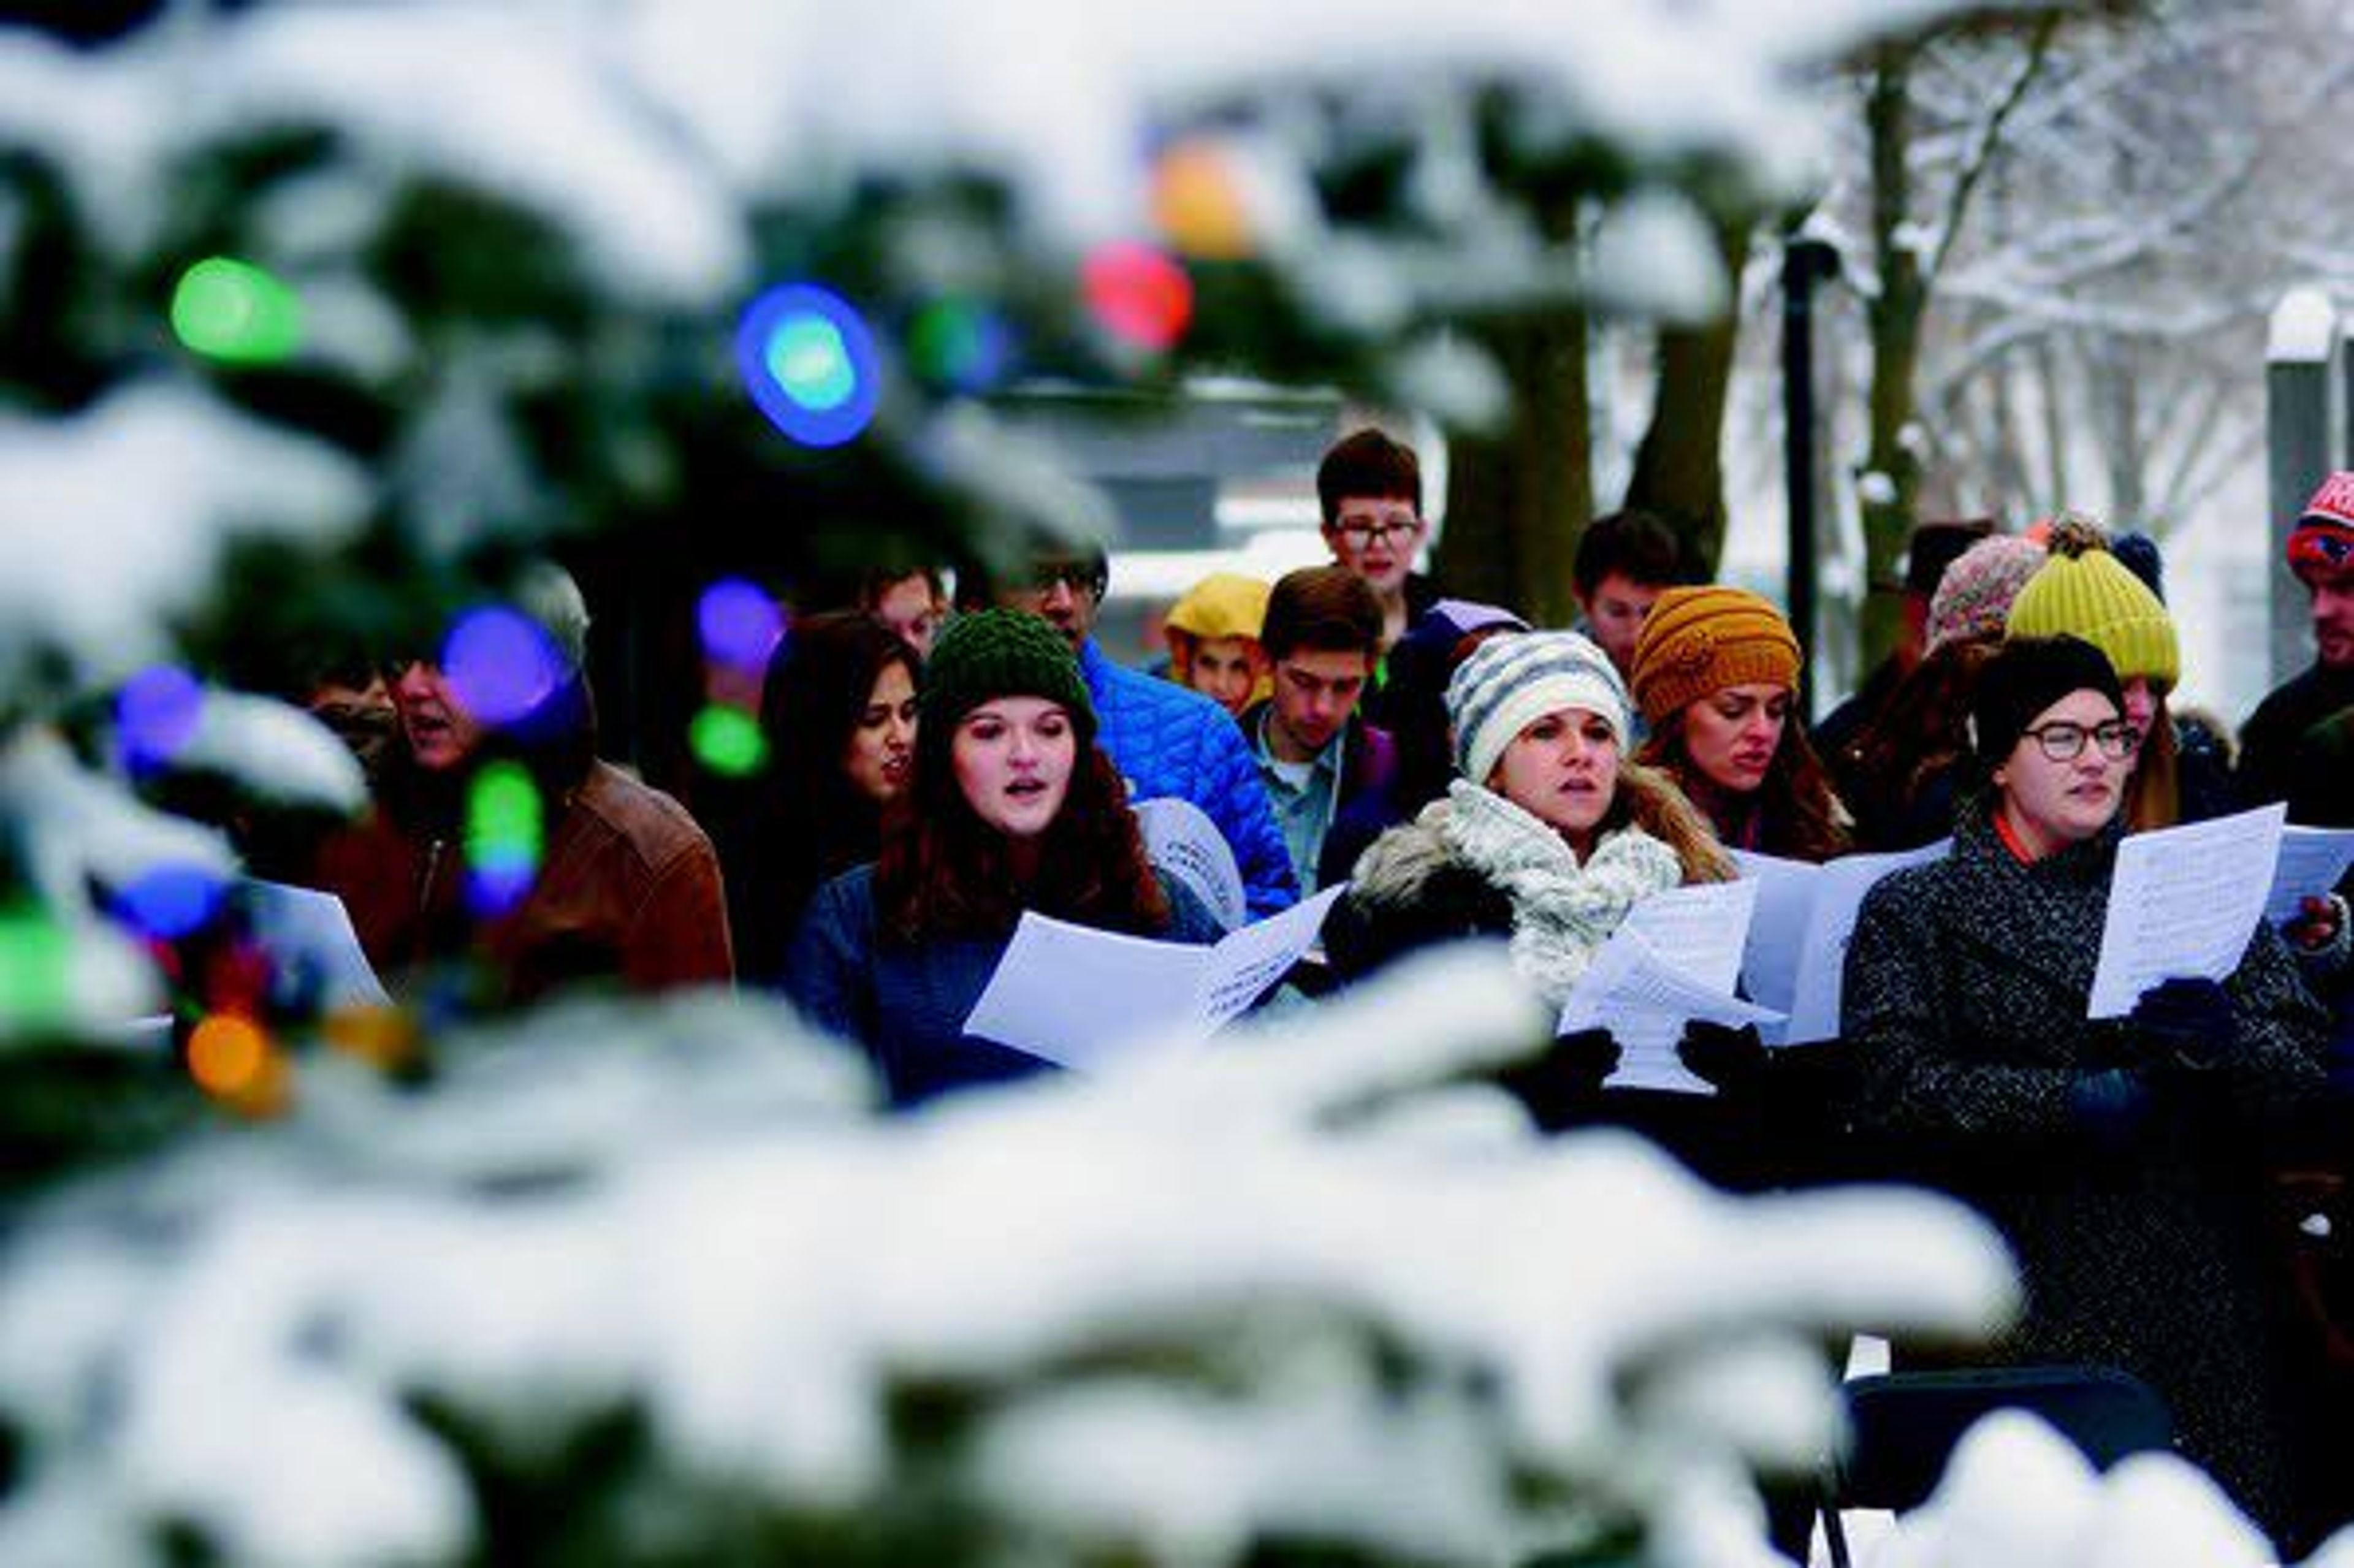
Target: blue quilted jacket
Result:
[1167, 740]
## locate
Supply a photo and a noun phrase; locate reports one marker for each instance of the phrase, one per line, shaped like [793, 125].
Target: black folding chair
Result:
[1903, 1426]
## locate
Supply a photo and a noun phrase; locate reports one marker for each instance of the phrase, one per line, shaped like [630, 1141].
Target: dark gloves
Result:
[2186, 1025]
[2111, 1107]
[1561, 1087]
[1732, 1059]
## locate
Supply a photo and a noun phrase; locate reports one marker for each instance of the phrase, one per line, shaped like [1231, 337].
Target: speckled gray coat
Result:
[1966, 990]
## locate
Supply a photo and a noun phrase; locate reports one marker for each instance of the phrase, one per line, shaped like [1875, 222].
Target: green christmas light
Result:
[727, 741]
[506, 834]
[236, 313]
[36, 966]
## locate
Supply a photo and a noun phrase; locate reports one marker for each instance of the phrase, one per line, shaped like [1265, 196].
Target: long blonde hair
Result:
[1648, 799]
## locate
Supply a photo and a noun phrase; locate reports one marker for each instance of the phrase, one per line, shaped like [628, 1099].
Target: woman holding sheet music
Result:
[2119, 1158]
[1549, 837]
[1012, 806]
[1717, 675]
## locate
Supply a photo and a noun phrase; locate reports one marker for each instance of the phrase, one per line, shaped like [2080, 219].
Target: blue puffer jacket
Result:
[1166, 740]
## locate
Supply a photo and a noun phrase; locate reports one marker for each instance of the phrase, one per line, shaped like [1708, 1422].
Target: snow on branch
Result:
[1185, 1314]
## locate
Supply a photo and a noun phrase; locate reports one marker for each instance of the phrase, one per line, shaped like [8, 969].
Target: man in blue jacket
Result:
[1166, 740]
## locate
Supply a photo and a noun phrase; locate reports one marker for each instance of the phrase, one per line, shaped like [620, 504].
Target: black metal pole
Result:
[1806, 261]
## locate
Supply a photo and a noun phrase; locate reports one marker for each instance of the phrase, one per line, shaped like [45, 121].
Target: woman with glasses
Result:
[2083, 589]
[2119, 1158]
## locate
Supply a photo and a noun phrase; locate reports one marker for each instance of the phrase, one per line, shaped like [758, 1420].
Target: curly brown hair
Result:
[945, 873]
[1798, 812]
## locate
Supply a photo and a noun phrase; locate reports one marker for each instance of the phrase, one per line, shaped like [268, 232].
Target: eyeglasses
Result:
[1079, 576]
[1398, 531]
[2062, 741]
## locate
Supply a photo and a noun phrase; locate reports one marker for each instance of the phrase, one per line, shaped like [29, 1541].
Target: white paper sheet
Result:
[1182, 843]
[1083, 998]
[1778, 928]
[2311, 861]
[1699, 931]
[309, 937]
[1797, 956]
[1645, 1002]
[1677, 956]
[2183, 902]
[1246, 962]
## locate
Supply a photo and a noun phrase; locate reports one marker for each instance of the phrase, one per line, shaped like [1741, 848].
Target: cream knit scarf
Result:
[1562, 912]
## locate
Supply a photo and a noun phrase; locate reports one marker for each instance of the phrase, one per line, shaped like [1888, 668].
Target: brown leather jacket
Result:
[628, 889]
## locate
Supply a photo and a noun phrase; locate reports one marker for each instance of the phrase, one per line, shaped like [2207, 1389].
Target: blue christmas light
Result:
[155, 715]
[740, 624]
[169, 901]
[500, 664]
[810, 363]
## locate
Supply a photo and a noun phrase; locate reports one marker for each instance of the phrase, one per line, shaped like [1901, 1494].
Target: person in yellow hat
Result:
[1214, 639]
[2083, 590]
[1716, 674]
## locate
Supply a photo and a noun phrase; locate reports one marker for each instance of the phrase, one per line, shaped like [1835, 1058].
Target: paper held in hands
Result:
[1795, 958]
[2312, 859]
[312, 946]
[2183, 902]
[1083, 998]
[1183, 844]
[1674, 959]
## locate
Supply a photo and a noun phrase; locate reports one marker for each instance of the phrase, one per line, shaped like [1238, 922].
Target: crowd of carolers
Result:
[932, 774]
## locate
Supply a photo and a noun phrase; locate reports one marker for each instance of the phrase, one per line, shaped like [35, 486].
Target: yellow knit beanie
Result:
[2085, 591]
[1223, 604]
[1702, 640]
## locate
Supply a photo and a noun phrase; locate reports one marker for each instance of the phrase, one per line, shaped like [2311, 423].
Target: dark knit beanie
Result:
[1936, 544]
[2026, 676]
[993, 654]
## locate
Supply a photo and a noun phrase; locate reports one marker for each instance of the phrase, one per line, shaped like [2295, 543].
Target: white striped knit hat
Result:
[1509, 681]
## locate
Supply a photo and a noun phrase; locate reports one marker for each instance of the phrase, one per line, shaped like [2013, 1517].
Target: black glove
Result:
[2186, 1025]
[2110, 1107]
[1732, 1059]
[1562, 1087]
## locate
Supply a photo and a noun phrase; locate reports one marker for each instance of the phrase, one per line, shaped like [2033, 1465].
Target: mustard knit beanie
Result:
[2083, 591]
[1223, 604]
[1702, 640]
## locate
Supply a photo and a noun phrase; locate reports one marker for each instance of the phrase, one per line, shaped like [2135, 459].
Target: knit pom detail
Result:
[2074, 536]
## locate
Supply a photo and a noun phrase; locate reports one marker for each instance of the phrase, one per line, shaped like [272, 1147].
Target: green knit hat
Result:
[995, 653]
[2083, 591]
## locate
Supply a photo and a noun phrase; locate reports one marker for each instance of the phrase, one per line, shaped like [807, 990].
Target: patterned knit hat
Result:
[1509, 682]
[1973, 599]
[1702, 640]
[2085, 591]
[995, 653]
[2321, 545]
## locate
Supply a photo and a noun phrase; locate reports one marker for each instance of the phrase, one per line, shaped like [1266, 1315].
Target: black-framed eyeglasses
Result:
[2064, 741]
[1396, 530]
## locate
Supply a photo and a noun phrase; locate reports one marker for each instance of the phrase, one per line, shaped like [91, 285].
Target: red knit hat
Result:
[2321, 545]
